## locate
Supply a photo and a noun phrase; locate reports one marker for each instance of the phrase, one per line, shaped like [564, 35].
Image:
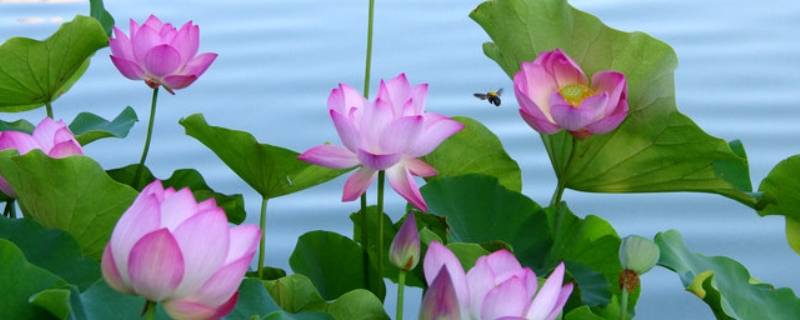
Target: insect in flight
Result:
[492, 96]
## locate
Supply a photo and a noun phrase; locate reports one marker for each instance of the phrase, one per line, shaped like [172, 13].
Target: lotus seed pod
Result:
[638, 254]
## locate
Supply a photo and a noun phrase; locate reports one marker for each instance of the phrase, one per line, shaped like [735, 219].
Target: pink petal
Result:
[187, 309]
[6, 188]
[121, 45]
[535, 84]
[420, 168]
[141, 218]
[155, 265]
[610, 122]
[396, 91]
[111, 273]
[179, 82]
[65, 149]
[438, 256]
[416, 103]
[134, 28]
[577, 118]
[199, 64]
[404, 252]
[186, 41]
[358, 183]
[547, 297]
[128, 68]
[503, 264]
[154, 188]
[344, 98]
[224, 283]
[145, 39]
[441, 301]
[208, 204]
[541, 125]
[348, 133]
[373, 122]
[566, 290]
[400, 134]
[378, 161]
[177, 208]
[481, 280]
[201, 256]
[509, 299]
[153, 22]
[162, 60]
[436, 129]
[562, 68]
[244, 240]
[403, 183]
[20, 141]
[611, 82]
[330, 156]
[45, 132]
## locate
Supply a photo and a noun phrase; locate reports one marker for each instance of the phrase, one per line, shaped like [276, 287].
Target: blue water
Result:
[738, 78]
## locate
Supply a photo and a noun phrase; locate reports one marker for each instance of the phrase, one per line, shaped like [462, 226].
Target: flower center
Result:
[574, 94]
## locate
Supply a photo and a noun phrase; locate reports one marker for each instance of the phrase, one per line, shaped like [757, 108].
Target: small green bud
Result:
[638, 254]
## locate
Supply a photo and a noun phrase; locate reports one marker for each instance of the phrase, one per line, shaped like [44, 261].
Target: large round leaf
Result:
[51, 249]
[297, 294]
[334, 263]
[272, 171]
[19, 280]
[33, 73]
[73, 194]
[724, 284]
[781, 189]
[475, 150]
[657, 148]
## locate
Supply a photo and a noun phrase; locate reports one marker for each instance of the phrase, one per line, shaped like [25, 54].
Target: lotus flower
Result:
[404, 251]
[52, 137]
[554, 94]
[389, 134]
[168, 248]
[159, 54]
[497, 287]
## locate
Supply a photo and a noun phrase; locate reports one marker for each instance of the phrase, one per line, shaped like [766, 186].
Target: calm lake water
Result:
[738, 78]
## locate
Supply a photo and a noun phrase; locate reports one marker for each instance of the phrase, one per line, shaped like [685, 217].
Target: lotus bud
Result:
[404, 252]
[638, 254]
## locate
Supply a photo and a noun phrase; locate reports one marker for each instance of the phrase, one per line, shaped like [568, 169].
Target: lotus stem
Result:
[147, 140]
[49, 108]
[381, 178]
[401, 283]
[262, 244]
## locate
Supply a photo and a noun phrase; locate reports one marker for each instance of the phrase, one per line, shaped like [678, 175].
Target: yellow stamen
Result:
[574, 94]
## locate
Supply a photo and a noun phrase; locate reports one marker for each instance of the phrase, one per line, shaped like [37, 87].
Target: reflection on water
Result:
[41, 20]
[738, 78]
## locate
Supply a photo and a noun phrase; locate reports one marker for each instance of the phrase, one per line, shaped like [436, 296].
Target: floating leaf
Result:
[475, 150]
[33, 73]
[98, 11]
[19, 125]
[186, 178]
[724, 284]
[73, 194]
[97, 302]
[656, 148]
[89, 127]
[19, 280]
[334, 263]
[272, 171]
[51, 249]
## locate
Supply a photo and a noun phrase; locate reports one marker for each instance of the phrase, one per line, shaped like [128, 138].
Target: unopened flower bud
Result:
[404, 252]
[638, 254]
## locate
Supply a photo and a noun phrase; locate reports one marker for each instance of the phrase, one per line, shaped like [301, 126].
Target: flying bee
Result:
[492, 96]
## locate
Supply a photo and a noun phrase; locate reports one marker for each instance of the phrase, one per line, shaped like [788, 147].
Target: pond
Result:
[738, 79]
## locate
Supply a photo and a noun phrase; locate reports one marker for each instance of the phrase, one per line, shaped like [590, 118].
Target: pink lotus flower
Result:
[52, 137]
[168, 248]
[404, 251]
[554, 94]
[388, 134]
[497, 287]
[159, 54]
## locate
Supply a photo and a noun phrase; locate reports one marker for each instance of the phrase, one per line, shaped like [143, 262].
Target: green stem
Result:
[555, 200]
[365, 237]
[149, 310]
[49, 108]
[401, 283]
[263, 225]
[381, 178]
[368, 62]
[140, 168]
[13, 209]
[624, 305]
